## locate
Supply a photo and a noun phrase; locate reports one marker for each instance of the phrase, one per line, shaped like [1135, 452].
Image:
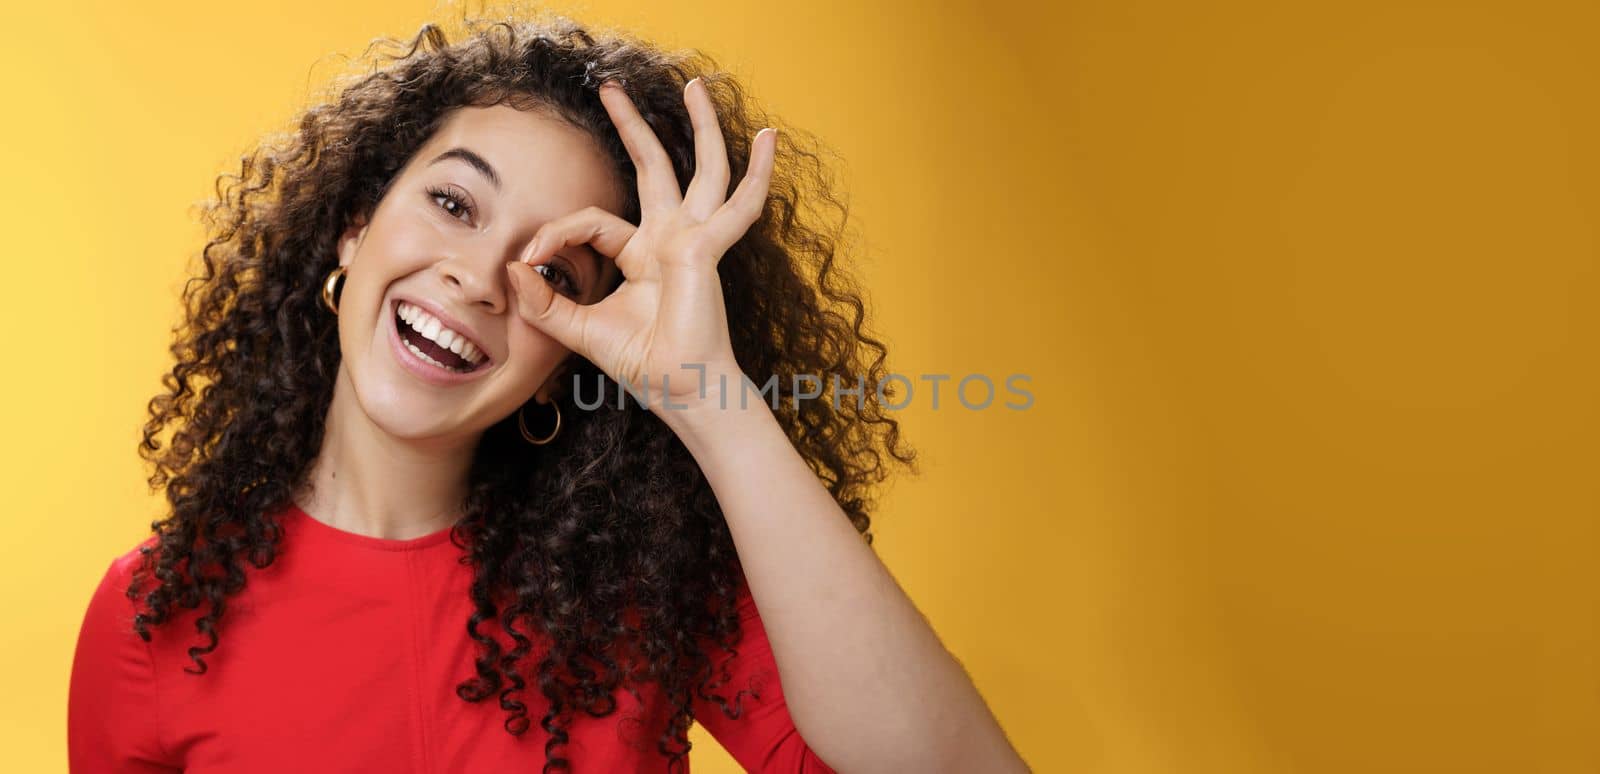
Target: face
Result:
[428, 330]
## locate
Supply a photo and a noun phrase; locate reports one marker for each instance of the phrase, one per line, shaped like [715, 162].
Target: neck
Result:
[369, 482]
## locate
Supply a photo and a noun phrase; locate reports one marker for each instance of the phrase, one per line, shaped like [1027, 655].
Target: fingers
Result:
[658, 184]
[710, 184]
[602, 230]
[542, 307]
[703, 200]
[742, 209]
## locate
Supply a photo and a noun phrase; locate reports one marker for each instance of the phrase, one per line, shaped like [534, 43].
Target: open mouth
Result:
[435, 344]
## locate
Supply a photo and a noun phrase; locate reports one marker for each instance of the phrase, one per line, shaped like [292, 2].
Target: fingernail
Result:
[690, 83]
[516, 284]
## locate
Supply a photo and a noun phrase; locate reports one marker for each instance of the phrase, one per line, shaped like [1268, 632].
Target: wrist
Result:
[727, 406]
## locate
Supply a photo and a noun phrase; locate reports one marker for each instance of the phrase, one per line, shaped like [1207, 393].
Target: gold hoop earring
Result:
[328, 289]
[522, 425]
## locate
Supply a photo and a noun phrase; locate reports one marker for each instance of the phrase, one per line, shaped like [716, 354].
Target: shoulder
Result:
[745, 602]
[109, 648]
[124, 565]
[747, 712]
[111, 702]
[751, 655]
[749, 614]
[125, 562]
[744, 605]
[110, 603]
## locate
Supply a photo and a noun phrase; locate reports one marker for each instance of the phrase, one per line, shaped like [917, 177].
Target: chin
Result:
[403, 408]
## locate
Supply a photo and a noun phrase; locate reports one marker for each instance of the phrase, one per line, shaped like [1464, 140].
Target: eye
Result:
[559, 277]
[453, 200]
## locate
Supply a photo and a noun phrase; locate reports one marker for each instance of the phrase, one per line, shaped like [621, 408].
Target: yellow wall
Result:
[1308, 485]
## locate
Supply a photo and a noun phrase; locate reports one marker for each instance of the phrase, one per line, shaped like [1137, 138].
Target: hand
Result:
[668, 310]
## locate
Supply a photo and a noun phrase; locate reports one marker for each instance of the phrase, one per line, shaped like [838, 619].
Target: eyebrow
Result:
[474, 159]
[597, 264]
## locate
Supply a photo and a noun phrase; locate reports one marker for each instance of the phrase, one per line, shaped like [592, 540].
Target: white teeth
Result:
[432, 329]
[424, 356]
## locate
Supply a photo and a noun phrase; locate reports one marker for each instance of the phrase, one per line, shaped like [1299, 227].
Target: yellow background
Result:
[1306, 294]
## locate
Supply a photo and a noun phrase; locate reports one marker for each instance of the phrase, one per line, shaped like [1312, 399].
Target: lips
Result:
[419, 365]
[433, 351]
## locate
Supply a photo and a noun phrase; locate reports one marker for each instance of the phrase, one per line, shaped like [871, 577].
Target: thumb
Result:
[543, 308]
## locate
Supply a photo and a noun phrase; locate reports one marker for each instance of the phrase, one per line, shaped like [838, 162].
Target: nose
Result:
[477, 281]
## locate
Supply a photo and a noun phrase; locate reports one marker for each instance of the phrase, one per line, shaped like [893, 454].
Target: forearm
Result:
[867, 681]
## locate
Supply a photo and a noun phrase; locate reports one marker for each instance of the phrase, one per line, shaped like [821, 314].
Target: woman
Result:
[399, 492]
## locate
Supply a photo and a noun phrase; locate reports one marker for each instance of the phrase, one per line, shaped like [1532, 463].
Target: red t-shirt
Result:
[343, 655]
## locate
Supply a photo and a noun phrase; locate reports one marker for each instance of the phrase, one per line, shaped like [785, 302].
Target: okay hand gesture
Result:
[668, 311]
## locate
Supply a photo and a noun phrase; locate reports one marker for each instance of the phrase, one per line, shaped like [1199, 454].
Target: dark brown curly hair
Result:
[240, 420]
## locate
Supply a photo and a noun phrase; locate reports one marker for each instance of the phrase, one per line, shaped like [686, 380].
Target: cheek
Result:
[359, 301]
[402, 247]
[392, 252]
[530, 349]
[532, 354]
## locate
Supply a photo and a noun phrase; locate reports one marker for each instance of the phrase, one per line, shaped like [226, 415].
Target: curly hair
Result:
[239, 422]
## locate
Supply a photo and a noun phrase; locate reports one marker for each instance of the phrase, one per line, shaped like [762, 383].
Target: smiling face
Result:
[428, 330]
